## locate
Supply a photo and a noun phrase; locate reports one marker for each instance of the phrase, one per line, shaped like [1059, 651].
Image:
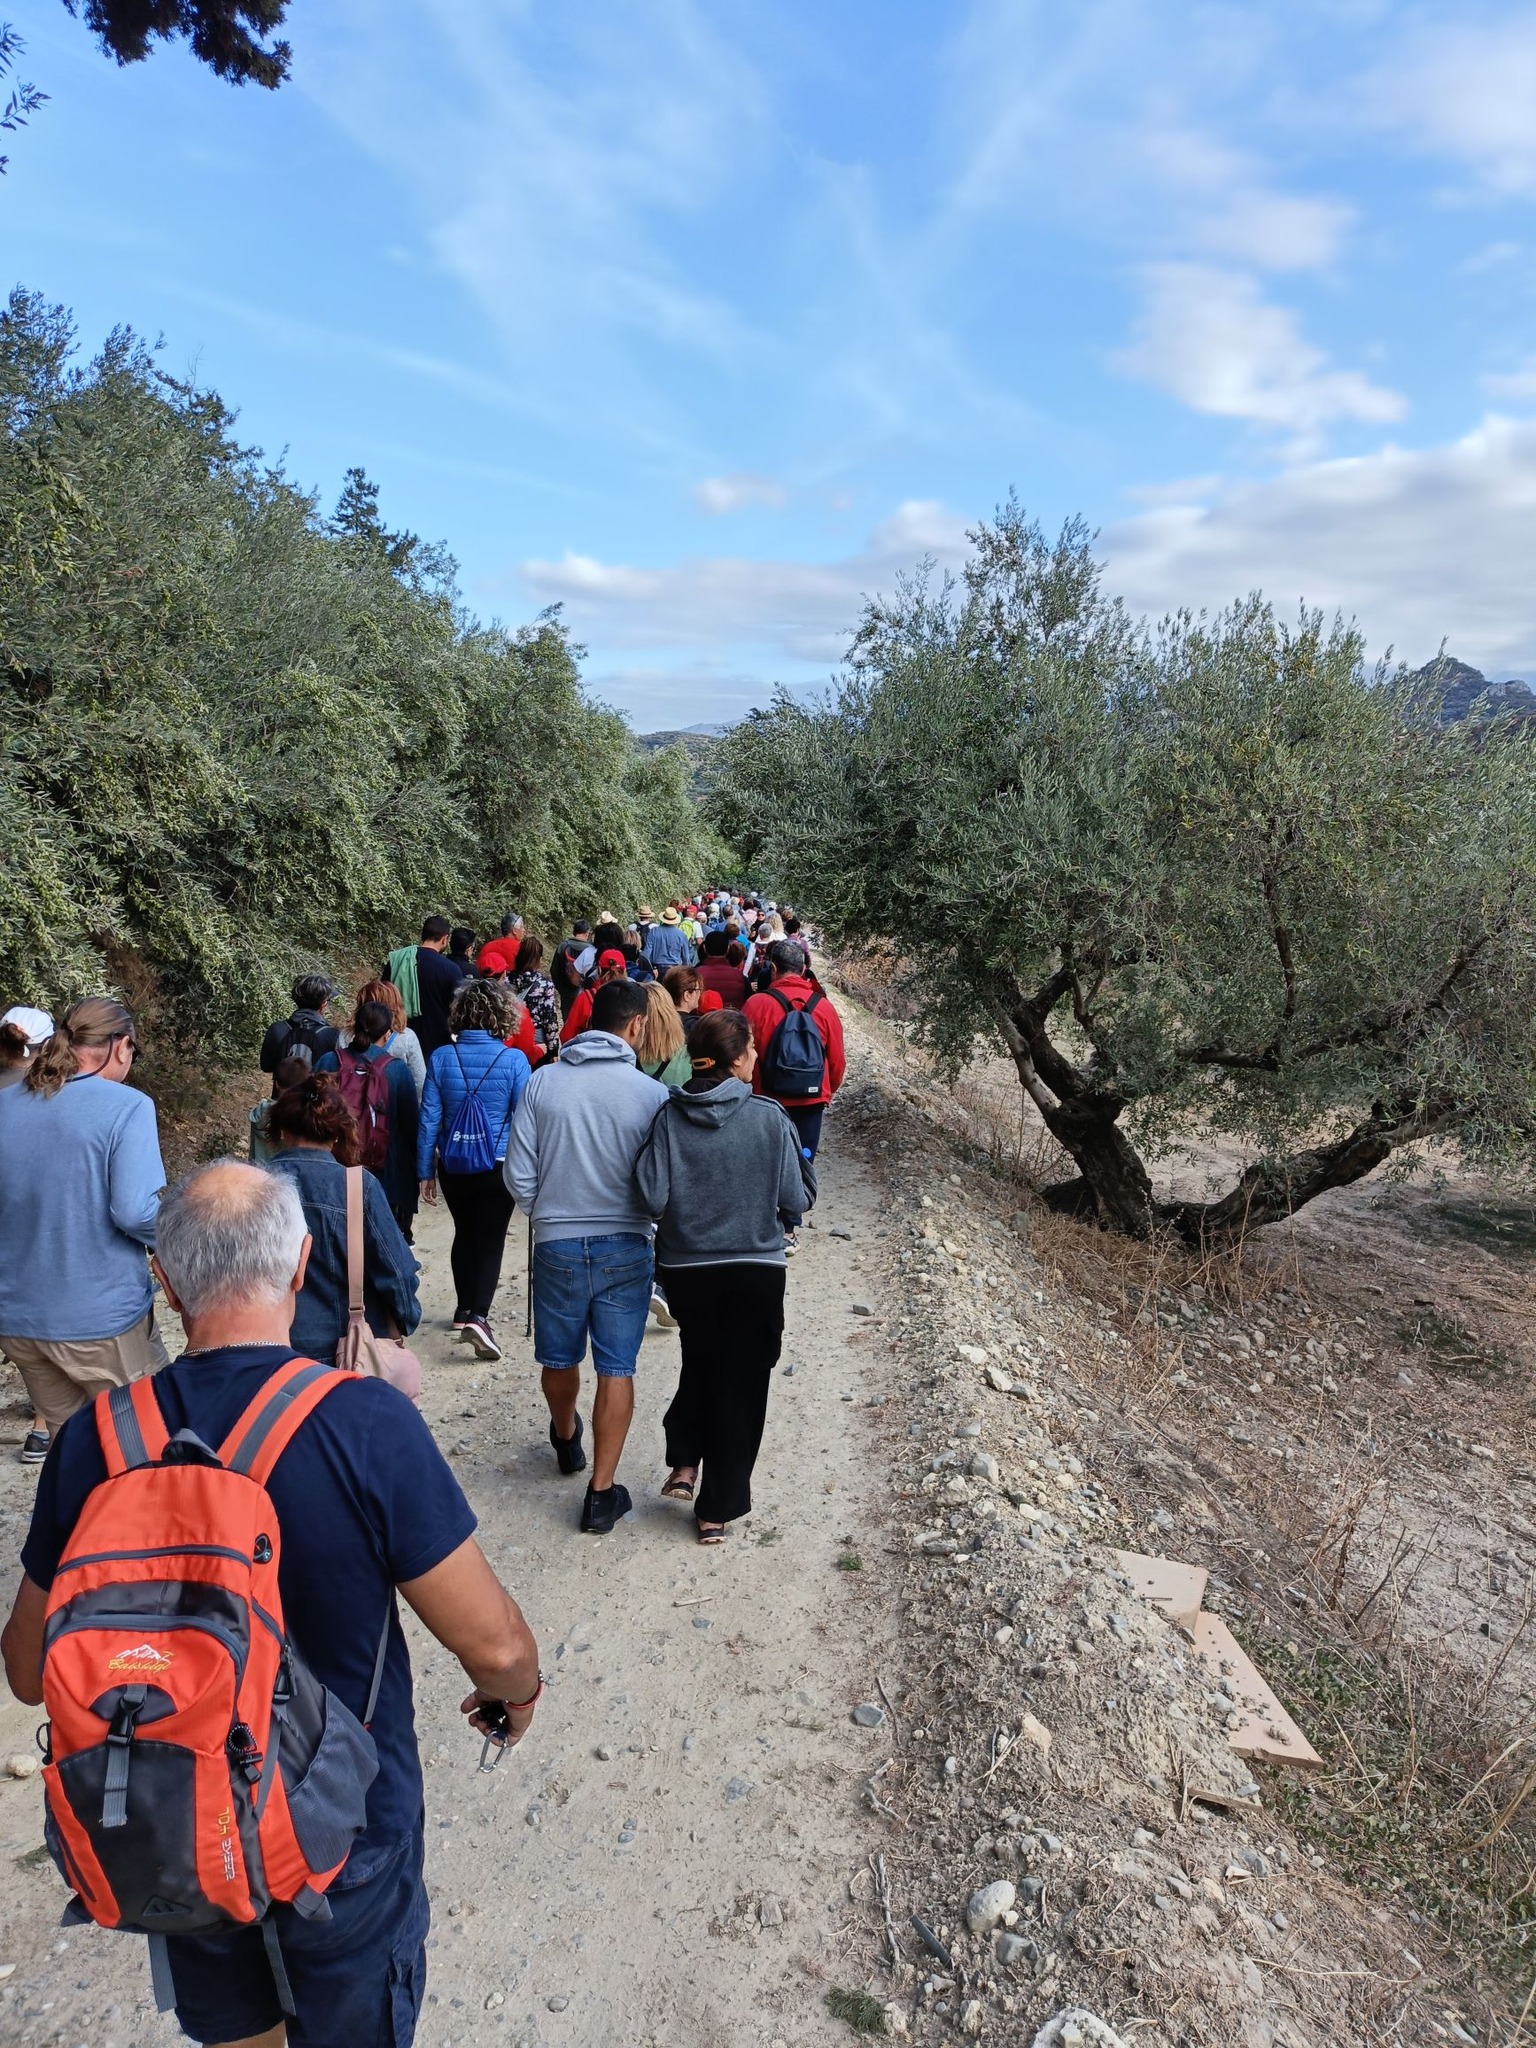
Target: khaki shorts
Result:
[60, 1378]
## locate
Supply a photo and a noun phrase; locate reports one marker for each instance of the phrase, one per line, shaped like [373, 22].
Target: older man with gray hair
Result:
[368, 1508]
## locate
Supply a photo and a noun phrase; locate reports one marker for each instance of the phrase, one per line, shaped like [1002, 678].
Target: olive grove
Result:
[238, 738]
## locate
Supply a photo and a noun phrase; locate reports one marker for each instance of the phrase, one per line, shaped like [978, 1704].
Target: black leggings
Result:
[731, 1321]
[481, 1207]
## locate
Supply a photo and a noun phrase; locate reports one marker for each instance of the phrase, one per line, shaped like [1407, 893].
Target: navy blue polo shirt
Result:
[365, 1500]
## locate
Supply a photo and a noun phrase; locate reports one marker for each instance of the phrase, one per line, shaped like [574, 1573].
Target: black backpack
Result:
[563, 966]
[309, 1033]
[795, 1063]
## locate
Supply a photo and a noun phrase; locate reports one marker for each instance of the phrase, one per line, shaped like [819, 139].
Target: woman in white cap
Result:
[80, 1181]
[22, 1032]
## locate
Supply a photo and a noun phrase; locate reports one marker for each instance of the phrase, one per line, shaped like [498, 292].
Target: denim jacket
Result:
[389, 1271]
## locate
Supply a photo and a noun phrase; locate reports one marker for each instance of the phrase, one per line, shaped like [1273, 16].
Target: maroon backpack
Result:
[365, 1090]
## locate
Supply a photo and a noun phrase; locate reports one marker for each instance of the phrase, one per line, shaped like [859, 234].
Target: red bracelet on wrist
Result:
[522, 1706]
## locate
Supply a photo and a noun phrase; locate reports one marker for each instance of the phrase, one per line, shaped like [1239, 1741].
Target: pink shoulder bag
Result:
[385, 1358]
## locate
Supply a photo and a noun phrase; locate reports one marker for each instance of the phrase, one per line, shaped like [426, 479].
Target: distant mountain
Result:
[1461, 688]
[695, 740]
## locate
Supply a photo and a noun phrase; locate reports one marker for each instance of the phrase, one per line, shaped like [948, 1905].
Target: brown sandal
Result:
[711, 1532]
[677, 1487]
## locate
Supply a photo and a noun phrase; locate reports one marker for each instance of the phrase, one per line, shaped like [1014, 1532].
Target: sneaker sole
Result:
[484, 1347]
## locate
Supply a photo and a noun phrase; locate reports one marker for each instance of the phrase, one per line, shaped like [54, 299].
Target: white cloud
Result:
[1516, 384]
[1468, 92]
[1420, 545]
[721, 494]
[804, 611]
[1209, 338]
[1227, 207]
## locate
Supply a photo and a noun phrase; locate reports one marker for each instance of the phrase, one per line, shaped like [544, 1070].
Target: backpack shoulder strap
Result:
[130, 1425]
[783, 1001]
[288, 1398]
[815, 999]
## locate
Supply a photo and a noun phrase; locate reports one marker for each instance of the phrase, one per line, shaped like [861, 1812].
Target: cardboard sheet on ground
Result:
[1264, 1730]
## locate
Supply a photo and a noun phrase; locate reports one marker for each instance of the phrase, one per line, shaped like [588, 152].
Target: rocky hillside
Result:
[1462, 687]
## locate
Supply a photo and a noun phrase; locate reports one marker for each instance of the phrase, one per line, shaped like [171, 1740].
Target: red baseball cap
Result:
[611, 959]
[710, 999]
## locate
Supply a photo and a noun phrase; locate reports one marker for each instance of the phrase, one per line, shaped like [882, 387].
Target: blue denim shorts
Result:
[591, 1286]
[357, 1977]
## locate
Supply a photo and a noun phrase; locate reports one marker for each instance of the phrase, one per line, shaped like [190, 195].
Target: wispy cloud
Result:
[1515, 384]
[1420, 545]
[1467, 90]
[721, 494]
[804, 611]
[1209, 338]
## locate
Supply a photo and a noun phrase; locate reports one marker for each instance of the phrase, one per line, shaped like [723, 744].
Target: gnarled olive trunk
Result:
[1272, 1189]
[1082, 1113]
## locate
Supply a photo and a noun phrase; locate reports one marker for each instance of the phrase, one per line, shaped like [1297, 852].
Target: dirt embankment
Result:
[914, 1673]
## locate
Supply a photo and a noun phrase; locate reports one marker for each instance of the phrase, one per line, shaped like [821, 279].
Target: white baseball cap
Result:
[37, 1024]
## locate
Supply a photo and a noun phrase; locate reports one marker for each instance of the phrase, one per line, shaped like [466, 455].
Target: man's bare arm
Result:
[21, 1643]
[471, 1613]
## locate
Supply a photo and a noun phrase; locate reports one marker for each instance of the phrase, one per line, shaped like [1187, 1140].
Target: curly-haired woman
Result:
[474, 1083]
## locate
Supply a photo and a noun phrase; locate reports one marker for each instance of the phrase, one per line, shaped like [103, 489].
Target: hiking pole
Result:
[528, 1325]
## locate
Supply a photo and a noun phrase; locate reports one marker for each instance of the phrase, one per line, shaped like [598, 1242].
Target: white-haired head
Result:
[230, 1234]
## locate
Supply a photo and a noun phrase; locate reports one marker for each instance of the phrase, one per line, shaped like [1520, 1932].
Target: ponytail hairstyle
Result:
[719, 1039]
[314, 1110]
[89, 1026]
[15, 1046]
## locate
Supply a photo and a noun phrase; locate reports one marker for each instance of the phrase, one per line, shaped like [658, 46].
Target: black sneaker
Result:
[568, 1449]
[599, 1511]
[35, 1449]
[477, 1333]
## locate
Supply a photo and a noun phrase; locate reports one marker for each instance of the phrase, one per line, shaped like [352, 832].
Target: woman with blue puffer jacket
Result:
[474, 1084]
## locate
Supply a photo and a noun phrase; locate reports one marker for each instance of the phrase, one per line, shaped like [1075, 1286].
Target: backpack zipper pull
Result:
[244, 1754]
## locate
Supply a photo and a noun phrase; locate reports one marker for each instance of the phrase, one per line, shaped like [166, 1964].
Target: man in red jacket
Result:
[791, 988]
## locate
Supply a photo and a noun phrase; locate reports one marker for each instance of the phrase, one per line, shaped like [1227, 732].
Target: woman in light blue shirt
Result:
[80, 1184]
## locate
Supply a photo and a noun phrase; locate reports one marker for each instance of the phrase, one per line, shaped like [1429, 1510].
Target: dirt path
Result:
[665, 1861]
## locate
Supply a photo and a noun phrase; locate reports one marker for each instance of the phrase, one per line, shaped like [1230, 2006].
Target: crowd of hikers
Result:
[207, 1607]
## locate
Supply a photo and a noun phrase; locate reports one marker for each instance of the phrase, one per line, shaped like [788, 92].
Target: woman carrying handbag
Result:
[384, 1358]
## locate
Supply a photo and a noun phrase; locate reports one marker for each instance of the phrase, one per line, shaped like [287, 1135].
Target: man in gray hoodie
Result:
[570, 1166]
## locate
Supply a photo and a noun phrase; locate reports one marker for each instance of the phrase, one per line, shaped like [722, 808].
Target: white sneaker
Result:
[660, 1311]
[791, 1243]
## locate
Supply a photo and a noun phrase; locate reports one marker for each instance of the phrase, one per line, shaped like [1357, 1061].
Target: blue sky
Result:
[705, 320]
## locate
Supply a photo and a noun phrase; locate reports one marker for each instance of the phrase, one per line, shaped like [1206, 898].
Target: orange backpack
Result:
[197, 1772]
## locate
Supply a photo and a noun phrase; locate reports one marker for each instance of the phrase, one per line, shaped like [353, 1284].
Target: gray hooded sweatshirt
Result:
[722, 1172]
[571, 1153]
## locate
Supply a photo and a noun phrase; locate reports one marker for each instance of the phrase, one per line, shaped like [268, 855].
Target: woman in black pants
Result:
[474, 1083]
[723, 1174]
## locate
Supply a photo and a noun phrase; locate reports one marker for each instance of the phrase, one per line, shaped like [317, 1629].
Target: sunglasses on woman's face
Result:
[133, 1045]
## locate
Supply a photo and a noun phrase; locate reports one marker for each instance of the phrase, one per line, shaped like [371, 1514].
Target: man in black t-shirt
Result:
[437, 980]
[368, 1508]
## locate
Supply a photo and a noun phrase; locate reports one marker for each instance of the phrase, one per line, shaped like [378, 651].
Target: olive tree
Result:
[1218, 874]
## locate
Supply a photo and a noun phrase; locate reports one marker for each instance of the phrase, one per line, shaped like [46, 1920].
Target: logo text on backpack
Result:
[144, 1662]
